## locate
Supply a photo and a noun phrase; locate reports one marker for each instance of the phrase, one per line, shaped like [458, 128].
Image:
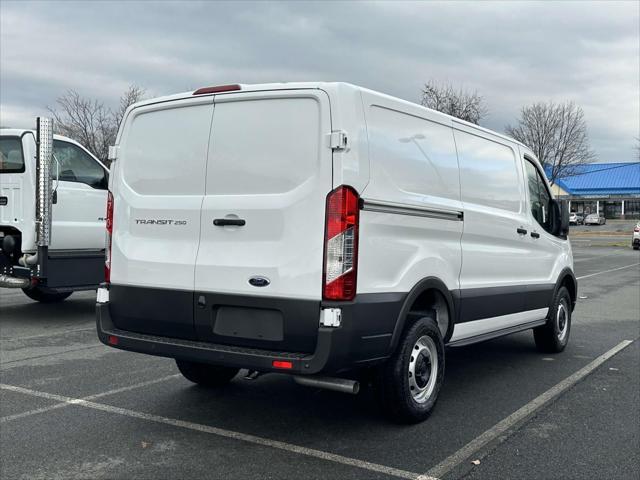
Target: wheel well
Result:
[570, 285]
[431, 302]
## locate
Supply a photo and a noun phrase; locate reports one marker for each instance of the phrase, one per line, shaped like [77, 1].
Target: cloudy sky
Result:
[513, 53]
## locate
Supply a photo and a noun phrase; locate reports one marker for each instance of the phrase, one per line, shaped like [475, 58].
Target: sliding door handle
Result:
[535, 234]
[521, 231]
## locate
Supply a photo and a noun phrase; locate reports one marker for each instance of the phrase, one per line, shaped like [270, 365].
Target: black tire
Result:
[206, 375]
[398, 392]
[45, 295]
[552, 337]
[636, 247]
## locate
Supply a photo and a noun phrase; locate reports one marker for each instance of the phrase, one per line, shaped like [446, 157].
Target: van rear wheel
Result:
[411, 379]
[45, 295]
[553, 336]
[206, 375]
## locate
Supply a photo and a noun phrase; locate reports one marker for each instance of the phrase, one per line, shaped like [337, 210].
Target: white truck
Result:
[319, 229]
[53, 196]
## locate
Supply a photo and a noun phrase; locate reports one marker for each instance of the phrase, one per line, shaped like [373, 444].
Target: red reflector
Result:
[112, 340]
[282, 364]
[217, 89]
[109, 232]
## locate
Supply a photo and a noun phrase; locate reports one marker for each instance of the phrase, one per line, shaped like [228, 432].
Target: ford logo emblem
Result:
[259, 281]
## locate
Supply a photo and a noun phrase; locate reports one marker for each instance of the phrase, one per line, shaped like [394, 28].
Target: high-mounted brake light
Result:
[341, 244]
[107, 241]
[217, 89]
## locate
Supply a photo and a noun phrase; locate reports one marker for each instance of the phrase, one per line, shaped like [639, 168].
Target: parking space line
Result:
[265, 442]
[35, 411]
[607, 271]
[52, 334]
[500, 431]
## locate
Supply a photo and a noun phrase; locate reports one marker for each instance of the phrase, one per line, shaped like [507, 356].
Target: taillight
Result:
[107, 242]
[637, 229]
[341, 244]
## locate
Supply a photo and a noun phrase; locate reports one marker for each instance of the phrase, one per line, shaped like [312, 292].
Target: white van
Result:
[318, 229]
[52, 214]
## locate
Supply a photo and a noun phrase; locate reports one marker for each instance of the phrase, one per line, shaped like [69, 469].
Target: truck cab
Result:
[78, 192]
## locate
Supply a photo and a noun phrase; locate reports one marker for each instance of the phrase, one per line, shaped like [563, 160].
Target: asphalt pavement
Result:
[73, 408]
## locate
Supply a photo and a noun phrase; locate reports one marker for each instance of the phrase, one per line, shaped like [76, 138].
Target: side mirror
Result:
[559, 211]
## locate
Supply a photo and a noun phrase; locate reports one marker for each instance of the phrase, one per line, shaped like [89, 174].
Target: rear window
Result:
[11, 158]
[263, 146]
[165, 150]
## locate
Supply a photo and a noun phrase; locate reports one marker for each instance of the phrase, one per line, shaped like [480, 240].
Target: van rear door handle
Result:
[222, 222]
[521, 231]
[535, 234]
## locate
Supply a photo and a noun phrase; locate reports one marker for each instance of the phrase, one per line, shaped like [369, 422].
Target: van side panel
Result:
[495, 279]
[411, 223]
[158, 194]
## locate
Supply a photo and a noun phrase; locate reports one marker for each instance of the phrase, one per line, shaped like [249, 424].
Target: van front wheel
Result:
[410, 381]
[553, 336]
[205, 374]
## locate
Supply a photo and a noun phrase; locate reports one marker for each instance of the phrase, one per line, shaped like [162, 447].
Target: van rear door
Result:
[269, 171]
[158, 186]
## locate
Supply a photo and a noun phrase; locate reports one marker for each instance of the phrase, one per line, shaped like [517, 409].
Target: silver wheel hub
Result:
[423, 369]
[562, 320]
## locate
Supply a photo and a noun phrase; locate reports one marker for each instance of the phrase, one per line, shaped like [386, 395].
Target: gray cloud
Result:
[512, 53]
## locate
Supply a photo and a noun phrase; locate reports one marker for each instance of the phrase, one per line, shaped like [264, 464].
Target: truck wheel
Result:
[205, 374]
[45, 295]
[553, 336]
[411, 379]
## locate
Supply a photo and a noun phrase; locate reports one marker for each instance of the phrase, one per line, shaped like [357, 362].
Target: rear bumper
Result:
[363, 338]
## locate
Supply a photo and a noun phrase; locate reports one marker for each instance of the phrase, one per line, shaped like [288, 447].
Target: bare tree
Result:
[557, 135]
[132, 95]
[459, 103]
[89, 122]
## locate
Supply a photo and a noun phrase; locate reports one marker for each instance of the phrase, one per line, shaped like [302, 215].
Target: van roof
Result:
[327, 86]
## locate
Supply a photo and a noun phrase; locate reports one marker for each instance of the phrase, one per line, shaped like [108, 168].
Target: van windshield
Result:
[11, 159]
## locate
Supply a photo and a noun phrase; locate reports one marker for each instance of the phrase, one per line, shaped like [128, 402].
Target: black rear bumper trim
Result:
[232, 356]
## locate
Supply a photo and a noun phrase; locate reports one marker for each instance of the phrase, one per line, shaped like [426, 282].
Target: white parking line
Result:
[50, 334]
[243, 437]
[500, 430]
[607, 271]
[35, 411]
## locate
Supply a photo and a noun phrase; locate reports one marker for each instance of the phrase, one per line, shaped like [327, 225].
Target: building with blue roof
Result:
[609, 188]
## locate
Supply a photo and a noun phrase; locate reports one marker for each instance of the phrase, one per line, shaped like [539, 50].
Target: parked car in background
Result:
[635, 240]
[576, 219]
[595, 219]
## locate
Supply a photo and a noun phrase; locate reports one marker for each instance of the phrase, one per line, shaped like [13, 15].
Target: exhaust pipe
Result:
[328, 383]
[12, 282]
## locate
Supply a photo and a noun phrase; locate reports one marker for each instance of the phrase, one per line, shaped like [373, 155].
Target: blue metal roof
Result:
[603, 179]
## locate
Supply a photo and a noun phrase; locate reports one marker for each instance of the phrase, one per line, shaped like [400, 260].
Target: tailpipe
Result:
[12, 282]
[329, 383]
